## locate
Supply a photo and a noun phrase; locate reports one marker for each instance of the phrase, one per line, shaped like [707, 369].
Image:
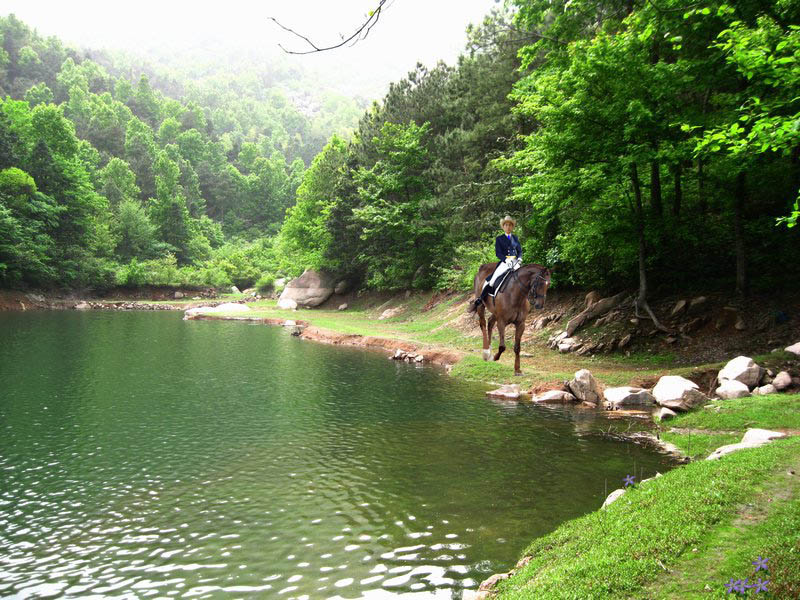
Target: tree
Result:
[118, 183]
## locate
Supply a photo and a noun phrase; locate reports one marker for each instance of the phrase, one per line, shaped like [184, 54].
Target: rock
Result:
[761, 435]
[310, 289]
[341, 287]
[794, 348]
[625, 341]
[678, 308]
[697, 304]
[727, 317]
[627, 396]
[419, 358]
[35, 297]
[732, 389]
[782, 381]
[753, 438]
[740, 324]
[83, 306]
[390, 312]
[567, 345]
[678, 393]
[508, 392]
[666, 413]
[554, 397]
[280, 283]
[742, 369]
[343, 306]
[196, 298]
[287, 303]
[493, 581]
[764, 390]
[178, 295]
[408, 294]
[289, 323]
[612, 497]
[584, 387]
[235, 290]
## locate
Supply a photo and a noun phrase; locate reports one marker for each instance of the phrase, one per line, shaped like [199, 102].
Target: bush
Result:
[266, 283]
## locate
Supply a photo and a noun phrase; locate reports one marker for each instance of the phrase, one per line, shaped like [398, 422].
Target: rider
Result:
[508, 251]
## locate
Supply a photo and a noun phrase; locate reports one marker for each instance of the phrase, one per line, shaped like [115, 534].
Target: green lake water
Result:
[145, 456]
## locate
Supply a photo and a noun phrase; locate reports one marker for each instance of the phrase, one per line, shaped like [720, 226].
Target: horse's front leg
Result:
[487, 338]
[519, 329]
[501, 334]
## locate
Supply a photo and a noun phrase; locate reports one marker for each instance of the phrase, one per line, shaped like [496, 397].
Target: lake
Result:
[146, 456]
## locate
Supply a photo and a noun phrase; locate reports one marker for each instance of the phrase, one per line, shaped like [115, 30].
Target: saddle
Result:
[501, 285]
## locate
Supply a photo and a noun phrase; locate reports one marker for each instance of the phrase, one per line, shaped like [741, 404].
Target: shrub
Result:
[266, 283]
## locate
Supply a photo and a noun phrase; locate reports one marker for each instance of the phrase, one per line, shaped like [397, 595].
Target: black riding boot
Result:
[484, 293]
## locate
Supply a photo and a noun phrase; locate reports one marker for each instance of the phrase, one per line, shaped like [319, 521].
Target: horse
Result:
[528, 284]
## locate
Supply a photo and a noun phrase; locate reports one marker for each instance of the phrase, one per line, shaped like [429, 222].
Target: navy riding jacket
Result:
[507, 247]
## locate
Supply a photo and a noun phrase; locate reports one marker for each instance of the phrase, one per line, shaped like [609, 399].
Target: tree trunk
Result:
[655, 189]
[641, 299]
[678, 197]
[740, 197]
[701, 184]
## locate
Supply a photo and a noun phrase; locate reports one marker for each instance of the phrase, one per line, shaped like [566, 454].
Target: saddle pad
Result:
[502, 284]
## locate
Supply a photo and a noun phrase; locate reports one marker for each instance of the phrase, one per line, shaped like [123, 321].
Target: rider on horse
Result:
[509, 252]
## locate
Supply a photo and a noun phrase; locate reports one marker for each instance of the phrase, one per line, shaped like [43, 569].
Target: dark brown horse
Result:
[527, 285]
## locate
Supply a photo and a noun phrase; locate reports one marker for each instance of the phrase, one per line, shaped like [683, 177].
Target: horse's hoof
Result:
[487, 354]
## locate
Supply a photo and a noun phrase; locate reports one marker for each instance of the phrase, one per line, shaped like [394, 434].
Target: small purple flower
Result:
[760, 585]
[742, 586]
[731, 585]
[760, 563]
[629, 480]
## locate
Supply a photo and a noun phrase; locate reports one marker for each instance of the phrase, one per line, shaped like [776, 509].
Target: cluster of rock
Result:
[564, 343]
[311, 289]
[87, 305]
[743, 377]
[411, 357]
[227, 307]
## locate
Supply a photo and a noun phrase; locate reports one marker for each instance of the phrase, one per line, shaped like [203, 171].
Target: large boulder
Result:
[782, 381]
[742, 369]
[678, 393]
[627, 396]
[310, 289]
[730, 388]
[794, 348]
[764, 390]
[584, 387]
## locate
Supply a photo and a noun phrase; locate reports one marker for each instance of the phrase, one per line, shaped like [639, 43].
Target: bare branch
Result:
[360, 34]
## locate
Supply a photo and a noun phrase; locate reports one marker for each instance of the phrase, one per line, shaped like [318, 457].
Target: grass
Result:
[769, 412]
[700, 445]
[622, 551]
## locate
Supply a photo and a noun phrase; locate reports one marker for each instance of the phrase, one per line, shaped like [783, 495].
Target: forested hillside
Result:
[649, 143]
[116, 170]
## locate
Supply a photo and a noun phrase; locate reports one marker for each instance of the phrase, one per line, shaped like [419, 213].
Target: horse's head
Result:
[540, 281]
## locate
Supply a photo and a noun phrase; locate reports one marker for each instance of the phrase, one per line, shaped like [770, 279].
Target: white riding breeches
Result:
[501, 270]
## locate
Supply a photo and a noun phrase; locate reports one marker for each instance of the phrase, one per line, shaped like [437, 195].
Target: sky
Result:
[409, 31]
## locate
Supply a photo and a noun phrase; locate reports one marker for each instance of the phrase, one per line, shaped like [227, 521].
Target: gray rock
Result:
[287, 303]
[753, 438]
[732, 389]
[235, 290]
[744, 369]
[341, 287]
[343, 306]
[764, 390]
[567, 344]
[178, 295]
[697, 304]
[794, 348]
[390, 312]
[310, 289]
[554, 397]
[83, 306]
[782, 381]
[678, 393]
[584, 387]
[289, 323]
[627, 396]
[508, 392]
[613, 497]
[666, 413]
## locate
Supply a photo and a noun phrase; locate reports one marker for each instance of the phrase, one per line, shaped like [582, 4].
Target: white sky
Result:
[408, 31]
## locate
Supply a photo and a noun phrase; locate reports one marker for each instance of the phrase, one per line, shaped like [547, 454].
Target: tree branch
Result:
[360, 34]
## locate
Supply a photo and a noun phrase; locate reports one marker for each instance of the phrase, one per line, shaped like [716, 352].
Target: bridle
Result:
[532, 287]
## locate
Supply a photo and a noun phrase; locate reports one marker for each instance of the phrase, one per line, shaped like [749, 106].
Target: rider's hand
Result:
[510, 261]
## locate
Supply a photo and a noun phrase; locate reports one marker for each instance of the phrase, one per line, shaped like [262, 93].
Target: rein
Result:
[531, 287]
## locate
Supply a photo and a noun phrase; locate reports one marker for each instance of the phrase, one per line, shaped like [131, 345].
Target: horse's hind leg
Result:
[519, 329]
[487, 338]
[501, 334]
